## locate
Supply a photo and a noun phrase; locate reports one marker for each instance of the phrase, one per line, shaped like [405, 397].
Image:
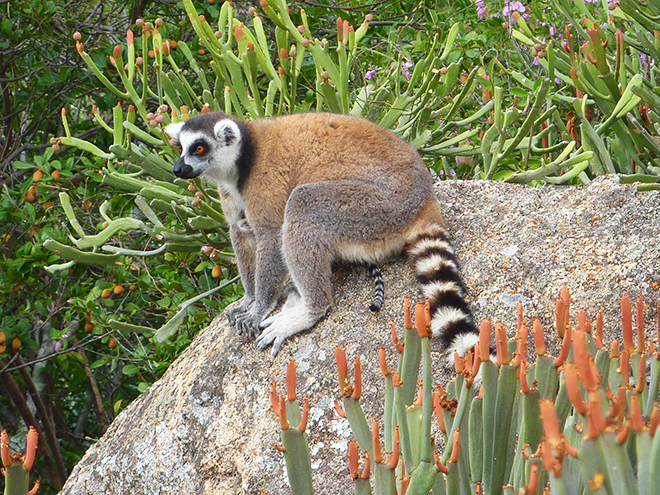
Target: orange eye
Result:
[180, 149]
[199, 149]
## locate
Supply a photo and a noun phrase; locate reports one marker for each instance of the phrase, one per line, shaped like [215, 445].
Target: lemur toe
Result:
[246, 326]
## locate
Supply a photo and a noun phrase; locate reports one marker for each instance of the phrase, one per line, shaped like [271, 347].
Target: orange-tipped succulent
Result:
[18, 466]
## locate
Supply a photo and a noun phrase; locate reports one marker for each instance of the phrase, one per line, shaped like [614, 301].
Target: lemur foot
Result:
[294, 318]
[243, 308]
[247, 324]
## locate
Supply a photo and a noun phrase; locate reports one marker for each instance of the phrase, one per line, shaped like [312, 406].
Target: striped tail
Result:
[435, 266]
[379, 288]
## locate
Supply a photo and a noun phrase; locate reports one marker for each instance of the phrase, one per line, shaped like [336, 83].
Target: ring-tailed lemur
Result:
[302, 190]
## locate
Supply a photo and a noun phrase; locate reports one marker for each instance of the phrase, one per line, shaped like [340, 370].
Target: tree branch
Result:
[97, 401]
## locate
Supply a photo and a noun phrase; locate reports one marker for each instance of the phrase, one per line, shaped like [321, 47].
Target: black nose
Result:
[183, 170]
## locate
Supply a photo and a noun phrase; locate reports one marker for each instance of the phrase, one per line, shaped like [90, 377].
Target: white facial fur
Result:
[218, 163]
[173, 130]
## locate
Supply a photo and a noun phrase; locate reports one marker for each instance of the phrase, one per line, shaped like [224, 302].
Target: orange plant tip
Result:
[16, 344]
[106, 293]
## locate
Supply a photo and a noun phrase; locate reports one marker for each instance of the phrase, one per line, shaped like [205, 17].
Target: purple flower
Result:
[643, 60]
[553, 31]
[481, 8]
[442, 173]
[58, 346]
[558, 81]
[65, 336]
[512, 7]
[370, 73]
[452, 172]
[404, 68]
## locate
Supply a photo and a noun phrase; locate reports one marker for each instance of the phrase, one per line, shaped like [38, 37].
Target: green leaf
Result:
[98, 363]
[130, 370]
[23, 165]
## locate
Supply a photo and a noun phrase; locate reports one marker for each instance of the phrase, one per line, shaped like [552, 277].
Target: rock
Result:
[205, 427]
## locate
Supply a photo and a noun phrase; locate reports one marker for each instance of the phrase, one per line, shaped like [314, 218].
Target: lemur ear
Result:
[227, 132]
[173, 130]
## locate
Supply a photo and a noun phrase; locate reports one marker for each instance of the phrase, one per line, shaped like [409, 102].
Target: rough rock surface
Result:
[205, 426]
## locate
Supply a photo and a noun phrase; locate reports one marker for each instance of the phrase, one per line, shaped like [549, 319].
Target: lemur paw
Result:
[293, 318]
[243, 308]
[246, 324]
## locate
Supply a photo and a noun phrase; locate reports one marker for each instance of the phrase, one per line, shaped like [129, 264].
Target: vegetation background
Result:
[543, 92]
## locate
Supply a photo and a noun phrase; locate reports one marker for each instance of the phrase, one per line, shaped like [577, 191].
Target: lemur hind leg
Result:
[320, 220]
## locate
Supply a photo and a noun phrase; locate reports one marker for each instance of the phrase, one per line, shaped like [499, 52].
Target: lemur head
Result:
[210, 145]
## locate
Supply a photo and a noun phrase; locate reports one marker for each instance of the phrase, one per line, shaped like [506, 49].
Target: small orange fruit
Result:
[38, 175]
[16, 344]
[112, 343]
[106, 293]
[2, 349]
[55, 175]
[89, 327]
[3, 338]
[118, 290]
[216, 272]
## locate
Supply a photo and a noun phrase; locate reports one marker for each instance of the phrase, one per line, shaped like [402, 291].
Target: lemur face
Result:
[209, 146]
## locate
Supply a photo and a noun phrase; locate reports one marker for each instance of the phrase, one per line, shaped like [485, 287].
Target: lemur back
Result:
[302, 190]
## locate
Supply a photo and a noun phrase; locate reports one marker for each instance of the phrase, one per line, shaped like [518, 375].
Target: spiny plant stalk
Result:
[583, 421]
[294, 440]
[603, 61]
[17, 466]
